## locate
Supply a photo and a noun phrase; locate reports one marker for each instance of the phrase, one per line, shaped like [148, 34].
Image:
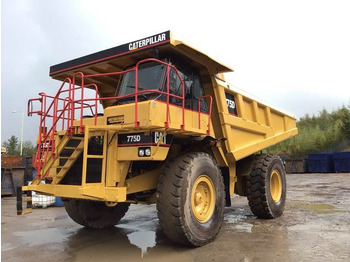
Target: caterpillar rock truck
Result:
[171, 132]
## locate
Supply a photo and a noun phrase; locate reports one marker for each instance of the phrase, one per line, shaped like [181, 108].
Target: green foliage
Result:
[28, 148]
[13, 147]
[345, 126]
[320, 133]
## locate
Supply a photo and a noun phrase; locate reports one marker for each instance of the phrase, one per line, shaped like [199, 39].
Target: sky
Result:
[293, 54]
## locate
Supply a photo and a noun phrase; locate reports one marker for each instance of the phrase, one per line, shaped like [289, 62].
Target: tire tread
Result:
[256, 186]
[169, 194]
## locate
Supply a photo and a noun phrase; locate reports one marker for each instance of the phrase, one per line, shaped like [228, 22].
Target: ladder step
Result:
[62, 167]
[94, 156]
[72, 148]
[66, 157]
[77, 138]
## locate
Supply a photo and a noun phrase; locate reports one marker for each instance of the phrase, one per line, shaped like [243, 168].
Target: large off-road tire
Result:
[266, 186]
[95, 214]
[71, 207]
[190, 199]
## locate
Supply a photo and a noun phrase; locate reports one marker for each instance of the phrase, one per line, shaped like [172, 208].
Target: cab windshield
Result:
[151, 75]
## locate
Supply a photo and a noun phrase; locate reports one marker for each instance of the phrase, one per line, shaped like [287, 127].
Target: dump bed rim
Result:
[254, 98]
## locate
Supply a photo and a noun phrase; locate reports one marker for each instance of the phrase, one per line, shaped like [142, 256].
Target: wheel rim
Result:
[203, 198]
[276, 186]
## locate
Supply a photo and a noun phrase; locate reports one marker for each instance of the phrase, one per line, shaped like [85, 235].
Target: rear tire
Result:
[190, 199]
[95, 214]
[266, 186]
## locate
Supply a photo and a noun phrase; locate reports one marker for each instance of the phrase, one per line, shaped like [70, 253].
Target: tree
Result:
[345, 126]
[325, 132]
[12, 145]
[28, 148]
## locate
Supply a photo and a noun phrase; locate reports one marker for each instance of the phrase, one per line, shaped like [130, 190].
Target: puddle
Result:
[128, 227]
[231, 218]
[246, 227]
[143, 240]
[6, 247]
[42, 236]
[125, 242]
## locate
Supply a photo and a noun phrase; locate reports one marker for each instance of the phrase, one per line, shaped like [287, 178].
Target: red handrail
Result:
[136, 93]
[46, 139]
[66, 113]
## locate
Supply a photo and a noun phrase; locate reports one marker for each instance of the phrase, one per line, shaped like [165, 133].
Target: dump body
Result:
[249, 125]
[117, 153]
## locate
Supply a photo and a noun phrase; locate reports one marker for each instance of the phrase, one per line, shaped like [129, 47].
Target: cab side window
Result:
[175, 85]
[197, 94]
[192, 85]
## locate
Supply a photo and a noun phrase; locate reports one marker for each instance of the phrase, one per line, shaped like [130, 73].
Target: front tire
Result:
[190, 199]
[95, 214]
[266, 186]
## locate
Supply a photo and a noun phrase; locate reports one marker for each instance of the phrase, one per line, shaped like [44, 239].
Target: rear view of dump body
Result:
[153, 121]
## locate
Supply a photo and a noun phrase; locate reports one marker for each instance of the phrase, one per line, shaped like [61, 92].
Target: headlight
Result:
[144, 151]
[141, 152]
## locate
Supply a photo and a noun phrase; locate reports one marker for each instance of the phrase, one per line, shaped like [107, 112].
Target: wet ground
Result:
[314, 227]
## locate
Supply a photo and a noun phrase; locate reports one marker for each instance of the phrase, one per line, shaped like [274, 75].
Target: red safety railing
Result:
[45, 143]
[55, 112]
[137, 92]
[59, 111]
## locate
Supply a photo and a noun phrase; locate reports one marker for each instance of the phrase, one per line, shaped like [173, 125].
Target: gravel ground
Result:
[315, 227]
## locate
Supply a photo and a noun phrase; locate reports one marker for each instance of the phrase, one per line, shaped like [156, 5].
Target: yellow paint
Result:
[91, 192]
[203, 198]
[276, 186]
[3, 150]
[255, 127]
[143, 182]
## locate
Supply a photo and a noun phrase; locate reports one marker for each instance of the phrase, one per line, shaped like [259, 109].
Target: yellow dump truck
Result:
[153, 121]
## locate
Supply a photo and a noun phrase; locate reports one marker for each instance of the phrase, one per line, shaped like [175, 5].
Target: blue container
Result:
[341, 162]
[59, 202]
[320, 163]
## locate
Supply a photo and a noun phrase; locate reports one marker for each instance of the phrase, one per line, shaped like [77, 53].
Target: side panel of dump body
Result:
[249, 125]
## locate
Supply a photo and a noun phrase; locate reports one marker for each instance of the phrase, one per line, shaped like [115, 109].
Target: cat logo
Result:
[147, 41]
[159, 137]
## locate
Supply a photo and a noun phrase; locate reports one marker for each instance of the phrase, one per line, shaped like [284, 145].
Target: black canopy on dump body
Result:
[121, 57]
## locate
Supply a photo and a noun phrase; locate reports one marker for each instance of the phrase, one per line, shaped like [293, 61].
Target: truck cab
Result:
[152, 76]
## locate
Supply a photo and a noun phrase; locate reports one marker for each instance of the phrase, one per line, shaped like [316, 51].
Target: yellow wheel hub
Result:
[276, 186]
[203, 198]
